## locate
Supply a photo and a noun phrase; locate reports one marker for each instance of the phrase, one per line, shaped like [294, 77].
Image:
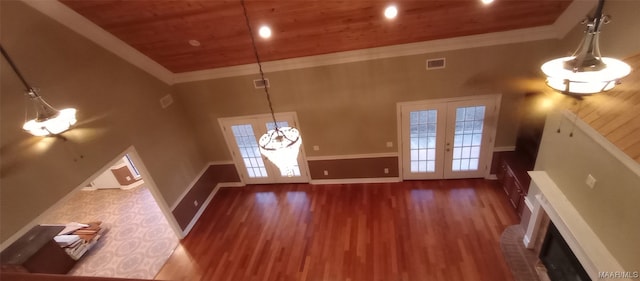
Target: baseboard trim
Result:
[491, 177]
[133, 185]
[504, 148]
[204, 205]
[200, 211]
[216, 163]
[191, 185]
[231, 184]
[527, 240]
[356, 180]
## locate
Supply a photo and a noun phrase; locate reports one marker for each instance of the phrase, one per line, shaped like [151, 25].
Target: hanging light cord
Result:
[255, 52]
[597, 15]
[30, 90]
[575, 117]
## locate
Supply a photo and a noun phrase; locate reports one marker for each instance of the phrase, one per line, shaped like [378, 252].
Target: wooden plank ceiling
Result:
[161, 29]
[616, 114]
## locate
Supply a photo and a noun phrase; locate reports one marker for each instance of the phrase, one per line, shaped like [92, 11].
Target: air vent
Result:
[166, 101]
[259, 84]
[435, 64]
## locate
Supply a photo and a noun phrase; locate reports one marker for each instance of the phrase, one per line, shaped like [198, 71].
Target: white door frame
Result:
[491, 126]
[153, 188]
[149, 183]
[237, 160]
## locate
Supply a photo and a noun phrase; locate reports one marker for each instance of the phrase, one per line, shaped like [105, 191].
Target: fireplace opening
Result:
[557, 257]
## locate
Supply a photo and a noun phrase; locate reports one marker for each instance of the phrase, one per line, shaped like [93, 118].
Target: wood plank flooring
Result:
[413, 230]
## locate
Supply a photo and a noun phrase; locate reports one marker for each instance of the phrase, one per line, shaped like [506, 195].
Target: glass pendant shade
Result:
[49, 121]
[586, 72]
[281, 146]
[584, 82]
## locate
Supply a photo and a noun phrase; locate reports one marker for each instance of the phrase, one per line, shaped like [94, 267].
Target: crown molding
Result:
[66, 16]
[465, 42]
[93, 32]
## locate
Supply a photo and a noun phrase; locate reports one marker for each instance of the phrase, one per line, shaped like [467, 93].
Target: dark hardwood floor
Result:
[413, 230]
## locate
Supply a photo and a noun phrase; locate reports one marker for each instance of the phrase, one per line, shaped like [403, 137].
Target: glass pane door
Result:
[425, 126]
[467, 151]
[249, 151]
[447, 139]
[467, 138]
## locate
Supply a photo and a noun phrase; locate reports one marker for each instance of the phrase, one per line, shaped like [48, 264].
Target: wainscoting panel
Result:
[354, 168]
[200, 191]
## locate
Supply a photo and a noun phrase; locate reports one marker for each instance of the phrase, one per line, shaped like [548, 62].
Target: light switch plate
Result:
[166, 101]
[591, 181]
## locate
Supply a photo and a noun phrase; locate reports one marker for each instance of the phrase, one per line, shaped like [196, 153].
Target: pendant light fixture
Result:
[280, 145]
[48, 120]
[586, 72]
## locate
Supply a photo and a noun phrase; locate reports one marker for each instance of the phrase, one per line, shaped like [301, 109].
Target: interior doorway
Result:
[123, 175]
[447, 138]
[139, 236]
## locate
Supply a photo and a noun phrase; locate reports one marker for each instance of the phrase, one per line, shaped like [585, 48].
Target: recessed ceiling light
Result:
[486, 2]
[194, 42]
[265, 31]
[391, 12]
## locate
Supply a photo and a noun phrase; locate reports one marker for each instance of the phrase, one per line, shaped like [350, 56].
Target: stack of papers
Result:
[69, 227]
[66, 240]
[77, 238]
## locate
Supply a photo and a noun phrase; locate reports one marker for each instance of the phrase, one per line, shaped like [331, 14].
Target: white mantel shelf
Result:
[585, 244]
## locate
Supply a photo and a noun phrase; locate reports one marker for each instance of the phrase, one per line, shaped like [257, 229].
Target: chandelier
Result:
[48, 120]
[280, 145]
[586, 72]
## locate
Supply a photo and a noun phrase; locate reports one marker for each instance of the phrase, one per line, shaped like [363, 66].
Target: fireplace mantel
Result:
[585, 244]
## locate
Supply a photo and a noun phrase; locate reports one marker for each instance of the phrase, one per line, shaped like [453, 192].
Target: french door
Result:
[444, 139]
[242, 135]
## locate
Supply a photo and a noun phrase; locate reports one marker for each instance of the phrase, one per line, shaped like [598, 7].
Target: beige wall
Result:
[117, 107]
[619, 38]
[610, 208]
[351, 108]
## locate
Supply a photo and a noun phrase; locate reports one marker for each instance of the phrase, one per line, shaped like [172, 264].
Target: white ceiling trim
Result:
[66, 16]
[465, 42]
[93, 32]
[577, 10]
